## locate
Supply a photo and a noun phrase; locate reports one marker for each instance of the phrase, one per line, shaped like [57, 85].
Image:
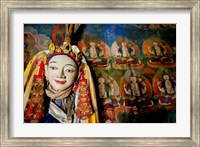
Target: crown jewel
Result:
[65, 48]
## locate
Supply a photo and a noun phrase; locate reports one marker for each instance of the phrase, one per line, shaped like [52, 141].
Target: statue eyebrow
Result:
[53, 62]
[65, 64]
[69, 65]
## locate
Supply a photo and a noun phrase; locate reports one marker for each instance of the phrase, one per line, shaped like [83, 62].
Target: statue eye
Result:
[69, 70]
[53, 68]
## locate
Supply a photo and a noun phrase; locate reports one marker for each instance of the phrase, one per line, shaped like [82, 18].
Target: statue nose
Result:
[61, 74]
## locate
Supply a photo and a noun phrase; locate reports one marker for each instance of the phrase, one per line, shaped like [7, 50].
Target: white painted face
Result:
[123, 44]
[61, 72]
[84, 49]
[155, 43]
[92, 44]
[101, 80]
[166, 77]
[133, 79]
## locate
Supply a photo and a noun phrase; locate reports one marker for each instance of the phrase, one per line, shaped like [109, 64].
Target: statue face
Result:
[61, 72]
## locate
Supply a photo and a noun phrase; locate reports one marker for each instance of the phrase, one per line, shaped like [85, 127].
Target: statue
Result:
[57, 87]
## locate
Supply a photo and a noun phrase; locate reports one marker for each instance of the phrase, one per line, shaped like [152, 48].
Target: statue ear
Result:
[80, 69]
[45, 71]
[78, 74]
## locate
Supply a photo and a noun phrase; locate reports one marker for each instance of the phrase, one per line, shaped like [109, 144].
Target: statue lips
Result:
[60, 82]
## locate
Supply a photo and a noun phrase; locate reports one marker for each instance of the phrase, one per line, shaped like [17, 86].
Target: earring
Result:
[75, 87]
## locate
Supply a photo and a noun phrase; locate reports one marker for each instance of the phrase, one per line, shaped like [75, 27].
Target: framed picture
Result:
[179, 23]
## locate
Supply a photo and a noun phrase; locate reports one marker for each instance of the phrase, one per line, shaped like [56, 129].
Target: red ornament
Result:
[84, 106]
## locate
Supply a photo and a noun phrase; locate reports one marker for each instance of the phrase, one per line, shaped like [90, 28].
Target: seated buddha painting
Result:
[126, 54]
[159, 53]
[164, 83]
[99, 73]
[96, 52]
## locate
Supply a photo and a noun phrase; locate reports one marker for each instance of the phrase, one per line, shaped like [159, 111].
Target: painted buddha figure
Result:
[111, 88]
[157, 50]
[167, 89]
[112, 92]
[102, 87]
[101, 48]
[136, 91]
[132, 92]
[143, 86]
[145, 98]
[159, 53]
[138, 88]
[110, 100]
[124, 51]
[96, 53]
[126, 54]
[93, 51]
[107, 93]
[134, 88]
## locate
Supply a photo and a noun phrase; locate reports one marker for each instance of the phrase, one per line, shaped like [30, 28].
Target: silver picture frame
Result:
[8, 6]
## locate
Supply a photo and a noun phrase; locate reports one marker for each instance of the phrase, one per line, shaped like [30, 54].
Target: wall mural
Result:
[133, 66]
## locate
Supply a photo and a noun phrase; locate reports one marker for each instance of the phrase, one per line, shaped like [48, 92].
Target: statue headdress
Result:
[65, 49]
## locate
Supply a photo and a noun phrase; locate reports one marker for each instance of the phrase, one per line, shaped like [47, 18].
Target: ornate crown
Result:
[64, 49]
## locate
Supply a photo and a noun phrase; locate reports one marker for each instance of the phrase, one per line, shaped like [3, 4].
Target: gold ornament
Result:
[58, 50]
[52, 48]
[44, 58]
[66, 48]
